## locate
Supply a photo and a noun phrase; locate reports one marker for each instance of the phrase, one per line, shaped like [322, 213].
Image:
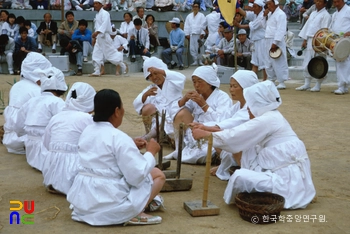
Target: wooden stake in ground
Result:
[204, 207]
[160, 139]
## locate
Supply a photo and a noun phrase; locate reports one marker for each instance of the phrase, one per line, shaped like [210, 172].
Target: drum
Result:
[276, 54]
[331, 43]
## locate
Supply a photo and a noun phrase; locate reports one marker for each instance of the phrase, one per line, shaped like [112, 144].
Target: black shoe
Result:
[40, 50]
[173, 66]
[132, 59]
[53, 51]
[80, 72]
[181, 67]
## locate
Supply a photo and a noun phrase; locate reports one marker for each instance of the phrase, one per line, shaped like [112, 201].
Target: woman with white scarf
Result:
[239, 81]
[36, 114]
[62, 136]
[207, 103]
[274, 159]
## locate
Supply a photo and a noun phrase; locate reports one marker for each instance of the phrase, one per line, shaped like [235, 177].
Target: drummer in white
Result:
[340, 25]
[317, 20]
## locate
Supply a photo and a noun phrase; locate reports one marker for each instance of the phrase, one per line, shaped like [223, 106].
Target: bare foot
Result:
[213, 170]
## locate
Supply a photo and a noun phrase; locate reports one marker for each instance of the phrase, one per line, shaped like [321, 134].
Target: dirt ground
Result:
[321, 120]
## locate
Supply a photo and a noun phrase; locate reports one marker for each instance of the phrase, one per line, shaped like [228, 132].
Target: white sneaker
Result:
[116, 8]
[315, 89]
[11, 72]
[194, 64]
[85, 59]
[125, 71]
[281, 86]
[125, 8]
[302, 88]
[338, 92]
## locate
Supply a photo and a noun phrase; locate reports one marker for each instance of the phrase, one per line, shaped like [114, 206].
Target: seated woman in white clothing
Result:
[207, 103]
[115, 181]
[274, 159]
[62, 135]
[163, 94]
[35, 115]
[239, 81]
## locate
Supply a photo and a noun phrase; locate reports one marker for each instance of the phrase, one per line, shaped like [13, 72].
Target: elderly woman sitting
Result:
[204, 104]
[239, 81]
[274, 159]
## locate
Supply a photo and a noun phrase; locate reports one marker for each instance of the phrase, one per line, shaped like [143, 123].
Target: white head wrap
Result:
[52, 79]
[85, 97]
[262, 97]
[152, 62]
[245, 78]
[275, 1]
[208, 74]
[259, 3]
[34, 64]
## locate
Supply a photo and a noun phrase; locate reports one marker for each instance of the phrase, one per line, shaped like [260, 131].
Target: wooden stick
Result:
[207, 172]
[179, 152]
[161, 140]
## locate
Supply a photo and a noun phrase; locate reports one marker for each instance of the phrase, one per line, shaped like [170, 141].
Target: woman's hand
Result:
[196, 125]
[153, 147]
[140, 143]
[197, 98]
[199, 134]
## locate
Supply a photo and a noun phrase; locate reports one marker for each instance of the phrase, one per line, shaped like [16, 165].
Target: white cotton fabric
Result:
[60, 140]
[85, 97]
[32, 65]
[152, 62]
[245, 78]
[219, 102]
[20, 93]
[339, 24]
[114, 184]
[52, 79]
[274, 160]
[259, 3]
[262, 97]
[208, 74]
[166, 98]
[32, 120]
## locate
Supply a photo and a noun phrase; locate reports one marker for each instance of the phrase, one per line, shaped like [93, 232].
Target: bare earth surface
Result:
[321, 120]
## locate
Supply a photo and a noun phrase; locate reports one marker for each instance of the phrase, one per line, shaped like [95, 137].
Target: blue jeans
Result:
[167, 55]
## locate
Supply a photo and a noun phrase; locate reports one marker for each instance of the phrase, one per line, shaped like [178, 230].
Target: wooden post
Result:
[179, 155]
[207, 172]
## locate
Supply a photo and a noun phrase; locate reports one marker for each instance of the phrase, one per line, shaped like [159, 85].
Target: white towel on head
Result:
[245, 78]
[32, 65]
[84, 100]
[208, 74]
[52, 79]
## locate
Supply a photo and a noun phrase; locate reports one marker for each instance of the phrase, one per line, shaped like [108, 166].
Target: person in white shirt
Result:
[195, 25]
[274, 159]
[127, 25]
[276, 28]
[121, 44]
[102, 41]
[317, 20]
[115, 182]
[340, 25]
[140, 15]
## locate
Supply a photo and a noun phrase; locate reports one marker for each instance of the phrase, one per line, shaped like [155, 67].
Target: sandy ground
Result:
[320, 120]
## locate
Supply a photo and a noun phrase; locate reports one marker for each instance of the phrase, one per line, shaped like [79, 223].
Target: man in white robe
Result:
[160, 95]
[213, 21]
[340, 25]
[195, 25]
[20, 93]
[102, 41]
[275, 159]
[317, 20]
[276, 29]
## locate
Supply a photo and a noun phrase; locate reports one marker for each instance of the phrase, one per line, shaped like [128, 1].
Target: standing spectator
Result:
[102, 41]
[292, 8]
[318, 19]
[340, 25]
[47, 32]
[81, 5]
[7, 47]
[195, 25]
[244, 51]
[127, 25]
[276, 27]
[213, 21]
[177, 40]
[257, 35]
[21, 5]
[140, 15]
[10, 27]
[83, 36]
[153, 33]
[138, 41]
[23, 46]
[67, 28]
